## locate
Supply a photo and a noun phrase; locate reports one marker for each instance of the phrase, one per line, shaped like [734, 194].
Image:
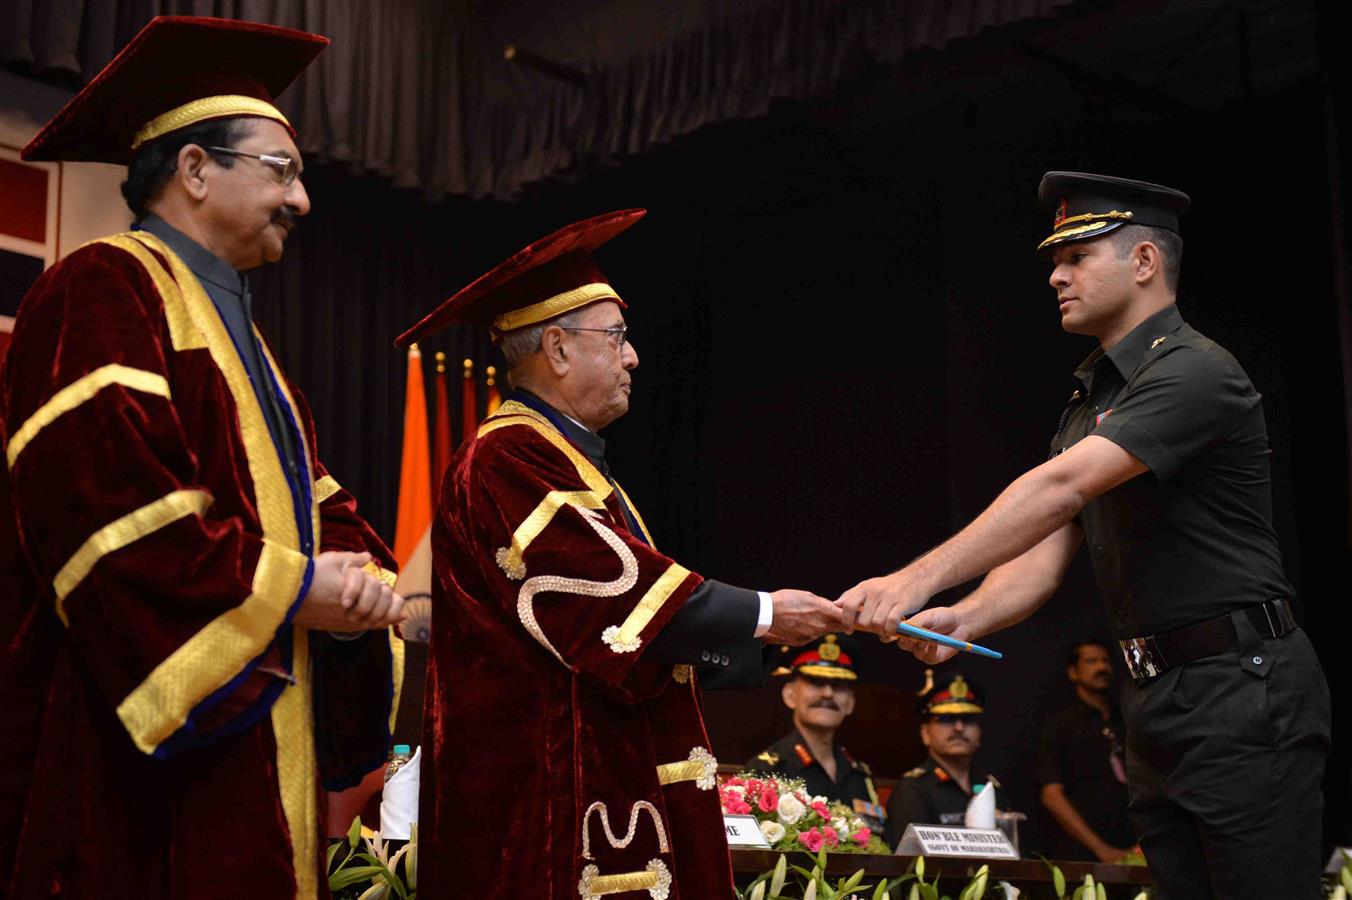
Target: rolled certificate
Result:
[924, 634]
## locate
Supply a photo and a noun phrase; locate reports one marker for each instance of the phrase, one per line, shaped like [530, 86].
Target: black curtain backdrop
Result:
[847, 346]
[420, 91]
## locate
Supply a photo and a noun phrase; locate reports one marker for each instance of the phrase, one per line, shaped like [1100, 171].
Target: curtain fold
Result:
[418, 91]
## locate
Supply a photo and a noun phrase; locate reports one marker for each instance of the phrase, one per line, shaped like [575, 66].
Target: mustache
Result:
[285, 215]
[826, 704]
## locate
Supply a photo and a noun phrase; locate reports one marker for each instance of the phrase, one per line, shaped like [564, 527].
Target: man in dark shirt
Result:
[820, 693]
[1080, 767]
[937, 791]
[1160, 465]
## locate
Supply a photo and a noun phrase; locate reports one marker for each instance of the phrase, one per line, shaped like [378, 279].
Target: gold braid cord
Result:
[525, 598]
[655, 878]
[700, 767]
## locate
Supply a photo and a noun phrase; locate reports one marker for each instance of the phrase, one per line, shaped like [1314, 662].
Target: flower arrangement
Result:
[792, 819]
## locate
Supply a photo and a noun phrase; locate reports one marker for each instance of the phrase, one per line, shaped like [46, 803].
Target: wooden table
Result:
[1029, 875]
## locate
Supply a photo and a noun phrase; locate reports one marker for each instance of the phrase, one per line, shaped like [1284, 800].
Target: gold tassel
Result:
[929, 683]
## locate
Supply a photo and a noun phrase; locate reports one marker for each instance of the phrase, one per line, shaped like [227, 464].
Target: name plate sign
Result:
[940, 840]
[744, 831]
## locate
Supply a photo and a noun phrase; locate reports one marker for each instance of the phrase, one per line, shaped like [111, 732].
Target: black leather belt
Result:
[1157, 653]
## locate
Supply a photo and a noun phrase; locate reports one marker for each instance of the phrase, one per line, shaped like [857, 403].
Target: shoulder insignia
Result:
[1157, 341]
[940, 774]
[915, 773]
[804, 756]
[768, 758]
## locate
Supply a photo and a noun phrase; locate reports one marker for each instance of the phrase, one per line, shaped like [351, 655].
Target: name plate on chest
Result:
[743, 831]
[942, 840]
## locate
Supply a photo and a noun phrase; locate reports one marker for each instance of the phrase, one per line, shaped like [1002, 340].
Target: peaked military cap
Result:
[826, 659]
[1086, 206]
[953, 694]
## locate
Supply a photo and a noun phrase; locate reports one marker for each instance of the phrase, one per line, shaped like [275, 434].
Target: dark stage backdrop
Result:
[847, 346]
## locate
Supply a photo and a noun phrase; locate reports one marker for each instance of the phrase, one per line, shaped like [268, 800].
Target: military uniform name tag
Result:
[939, 840]
[744, 831]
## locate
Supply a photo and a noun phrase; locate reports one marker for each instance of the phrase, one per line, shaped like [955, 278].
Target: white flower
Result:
[841, 826]
[818, 799]
[773, 831]
[790, 809]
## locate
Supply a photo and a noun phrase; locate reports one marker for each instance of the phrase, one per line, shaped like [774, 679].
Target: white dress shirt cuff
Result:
[767, 614]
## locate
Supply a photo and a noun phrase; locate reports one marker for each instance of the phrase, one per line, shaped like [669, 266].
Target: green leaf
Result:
[1101, 892]
[354, 875]
[915, 892]
[1058, 881]
[929, 892]
[1345, 875]
[333, 851]
[920, 867]
[354, 833]
[1078, 894]
[880, 890]
[851, 883]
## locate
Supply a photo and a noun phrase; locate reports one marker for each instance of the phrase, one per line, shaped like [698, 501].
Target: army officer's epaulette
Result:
[770, 759]
[915, 773]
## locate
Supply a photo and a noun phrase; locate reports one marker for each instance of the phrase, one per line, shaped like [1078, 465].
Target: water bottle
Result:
[399, 756]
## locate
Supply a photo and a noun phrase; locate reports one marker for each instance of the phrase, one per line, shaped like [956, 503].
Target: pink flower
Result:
[812, 839]
[753, 786]
[737, 806]
[769, 800]
[736, 781]
[821, 810]
[832, 837]
[862, 836]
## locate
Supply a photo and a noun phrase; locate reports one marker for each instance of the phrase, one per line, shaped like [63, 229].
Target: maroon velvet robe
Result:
[166, 727]
[561, 761]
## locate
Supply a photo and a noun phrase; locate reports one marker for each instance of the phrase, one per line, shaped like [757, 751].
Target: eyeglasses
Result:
[287, 169]
[619, 331]
[955, 718]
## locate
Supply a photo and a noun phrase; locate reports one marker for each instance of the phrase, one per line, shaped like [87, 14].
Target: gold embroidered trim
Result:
[835, 672]
[183, 332]
[78, 392]
[1071, 232]
[120, 533]
[206, 108]
[1085, 217]
[325, 488]
[700, 767]
[203, 664]
[554, 306]
[525, 599]
[625, 638]
[297, 768]
[396, 674]
[513, 413]
[160, 705]
[655, 879]
[640, 807]
[294, 409]
[510, 559]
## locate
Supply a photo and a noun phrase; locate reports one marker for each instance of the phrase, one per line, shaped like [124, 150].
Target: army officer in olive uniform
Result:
[936, 791]
[820, 692]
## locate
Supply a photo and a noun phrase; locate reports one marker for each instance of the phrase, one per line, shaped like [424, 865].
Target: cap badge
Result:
[1060, 214]
[958, 689]
[830, 650]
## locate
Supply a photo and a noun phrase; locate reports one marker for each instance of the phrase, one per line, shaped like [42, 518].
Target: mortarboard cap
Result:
[553, 276]
[177, 71]
[1086, 206]
[954, 694]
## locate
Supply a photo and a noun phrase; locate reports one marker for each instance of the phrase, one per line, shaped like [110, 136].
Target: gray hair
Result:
[523, 342]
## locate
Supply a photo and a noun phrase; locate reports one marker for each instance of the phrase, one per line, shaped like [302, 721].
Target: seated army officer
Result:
[936, 791]
[820, 693]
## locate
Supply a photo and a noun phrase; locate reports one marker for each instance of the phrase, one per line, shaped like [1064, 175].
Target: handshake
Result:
[877, 605]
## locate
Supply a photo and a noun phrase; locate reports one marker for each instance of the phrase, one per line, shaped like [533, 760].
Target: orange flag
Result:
[470, 420]
[441, 428]
[494, 398]
[415, 482]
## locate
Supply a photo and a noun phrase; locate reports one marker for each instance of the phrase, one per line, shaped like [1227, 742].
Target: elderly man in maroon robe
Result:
[566, 755]
[191, 643]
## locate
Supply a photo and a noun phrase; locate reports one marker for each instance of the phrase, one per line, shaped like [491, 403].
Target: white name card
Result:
[940, 840]
[743, 831]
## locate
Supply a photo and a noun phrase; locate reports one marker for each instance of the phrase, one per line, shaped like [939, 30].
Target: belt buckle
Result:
[1143, 657]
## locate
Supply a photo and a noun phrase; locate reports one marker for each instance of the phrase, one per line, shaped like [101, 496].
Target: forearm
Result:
[1011, 592]
[1034, 506]
[1069, 818]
